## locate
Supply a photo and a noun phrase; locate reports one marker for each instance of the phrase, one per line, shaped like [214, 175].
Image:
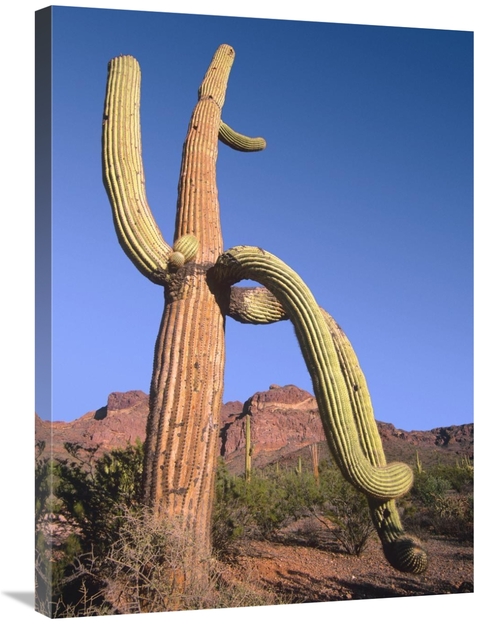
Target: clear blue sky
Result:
[365, 189]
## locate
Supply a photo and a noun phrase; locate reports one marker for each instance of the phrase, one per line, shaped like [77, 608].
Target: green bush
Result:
[348, 514]
[427, 487]
[92, 496]
[271, 500]
[93, 493]
[442, 502]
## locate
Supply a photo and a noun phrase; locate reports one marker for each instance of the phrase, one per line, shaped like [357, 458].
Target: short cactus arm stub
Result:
[256, 306]
[238, 141]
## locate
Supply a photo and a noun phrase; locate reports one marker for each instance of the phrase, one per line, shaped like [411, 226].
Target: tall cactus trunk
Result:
[183, 422]
[187, 383]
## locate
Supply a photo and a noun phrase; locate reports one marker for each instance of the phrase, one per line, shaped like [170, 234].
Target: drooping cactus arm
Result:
[359, 395]
[381, 483]
[402, 551]
[238, 141]
[123, 172]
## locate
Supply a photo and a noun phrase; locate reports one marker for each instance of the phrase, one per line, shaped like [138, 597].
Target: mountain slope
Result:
[284, 424]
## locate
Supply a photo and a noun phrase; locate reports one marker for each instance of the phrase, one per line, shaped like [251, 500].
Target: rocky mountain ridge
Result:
[284, 423]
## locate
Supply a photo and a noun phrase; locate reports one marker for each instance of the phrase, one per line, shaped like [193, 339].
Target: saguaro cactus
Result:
[248, 448]
[198, 280]
[187, 381]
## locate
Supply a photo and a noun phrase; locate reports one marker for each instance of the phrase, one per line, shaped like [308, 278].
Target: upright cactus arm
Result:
[187, 381]
[123, 172]
[381, 483]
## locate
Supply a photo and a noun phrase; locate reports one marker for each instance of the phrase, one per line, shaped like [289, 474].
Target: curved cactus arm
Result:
[359, 395]
[403, 551]
[378, 482]
[238, 141]
[257, 306]
[123, 171]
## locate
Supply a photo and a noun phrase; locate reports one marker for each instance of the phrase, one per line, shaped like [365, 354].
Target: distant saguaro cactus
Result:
[248, 448]
[198, 280]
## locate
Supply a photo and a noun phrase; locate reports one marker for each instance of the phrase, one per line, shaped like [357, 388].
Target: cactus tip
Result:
[406, 554]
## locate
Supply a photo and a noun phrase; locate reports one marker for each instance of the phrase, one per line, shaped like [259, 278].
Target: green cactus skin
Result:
[185, 250]
[123, 172]
[402, 551]
[256, 306]
[381, 483]
[188, 246]
[238, 141]
[176, 261]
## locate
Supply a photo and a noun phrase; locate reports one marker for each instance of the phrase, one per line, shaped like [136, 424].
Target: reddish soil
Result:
[301, 574]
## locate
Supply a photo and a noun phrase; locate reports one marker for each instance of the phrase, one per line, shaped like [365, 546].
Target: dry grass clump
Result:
[153, 567]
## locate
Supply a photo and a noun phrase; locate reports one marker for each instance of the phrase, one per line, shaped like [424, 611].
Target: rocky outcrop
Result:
[284, 423]
[283, 420]
[120, 422]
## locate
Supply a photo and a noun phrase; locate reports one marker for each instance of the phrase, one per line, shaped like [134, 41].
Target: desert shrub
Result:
[246, 509]
[427, 487]
[460, 476]
[260, 507]
[48, 569]
[45, 475]
[83, 500]
[93, 494]
[271, 500]
[230, 514]
[346, 512]
[441, 501]
[147, 564]
[453, 516]
[149, 568]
